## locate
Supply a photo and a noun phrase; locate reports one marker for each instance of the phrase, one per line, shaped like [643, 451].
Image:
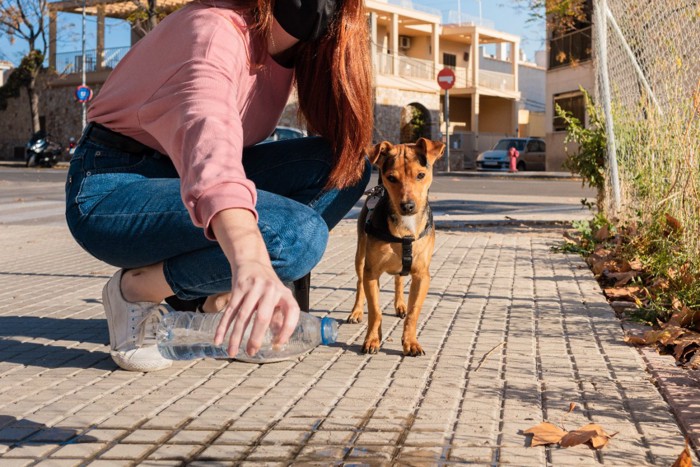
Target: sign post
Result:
[82, 66]
[446, 80]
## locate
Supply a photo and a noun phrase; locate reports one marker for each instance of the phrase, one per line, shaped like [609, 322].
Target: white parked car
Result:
[532, 155]
[284, 132]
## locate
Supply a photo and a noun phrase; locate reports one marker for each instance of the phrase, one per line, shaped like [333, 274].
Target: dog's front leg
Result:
[399, 304]
[358, 308]
[420, 283]
[374, 313]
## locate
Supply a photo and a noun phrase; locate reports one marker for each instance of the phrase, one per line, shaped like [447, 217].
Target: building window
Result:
[570, 49]
[570, 39]
[573, 103]
[449, 60]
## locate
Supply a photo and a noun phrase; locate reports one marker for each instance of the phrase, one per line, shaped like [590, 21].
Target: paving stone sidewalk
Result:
[513, 334]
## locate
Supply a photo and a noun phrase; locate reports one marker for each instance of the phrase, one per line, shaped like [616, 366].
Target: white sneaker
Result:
[132, 329]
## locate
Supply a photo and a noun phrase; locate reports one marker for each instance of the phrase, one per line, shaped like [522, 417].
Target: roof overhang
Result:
[112, 8]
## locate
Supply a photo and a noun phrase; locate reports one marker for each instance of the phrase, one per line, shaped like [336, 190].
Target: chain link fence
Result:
[648, 57]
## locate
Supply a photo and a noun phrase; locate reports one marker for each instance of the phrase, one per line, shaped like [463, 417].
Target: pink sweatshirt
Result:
[188, 90]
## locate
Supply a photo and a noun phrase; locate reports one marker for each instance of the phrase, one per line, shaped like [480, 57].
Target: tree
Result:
[25, 20]
[562, 16]
[147, 14]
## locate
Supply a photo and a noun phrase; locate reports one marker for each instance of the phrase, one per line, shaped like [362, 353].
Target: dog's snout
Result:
[408, 207]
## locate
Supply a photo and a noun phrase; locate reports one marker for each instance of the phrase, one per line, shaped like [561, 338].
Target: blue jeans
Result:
[126, 210]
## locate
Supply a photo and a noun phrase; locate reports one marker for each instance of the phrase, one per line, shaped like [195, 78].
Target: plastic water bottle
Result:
[185, 335]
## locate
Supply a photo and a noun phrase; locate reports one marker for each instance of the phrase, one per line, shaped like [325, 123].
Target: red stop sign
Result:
[446, 78]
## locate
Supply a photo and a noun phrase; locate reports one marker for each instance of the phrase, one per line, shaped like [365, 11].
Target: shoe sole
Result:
[108, 312]
[125, 364]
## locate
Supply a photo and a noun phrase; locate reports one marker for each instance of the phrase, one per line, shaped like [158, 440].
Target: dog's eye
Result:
[421, 176]
[392, 179]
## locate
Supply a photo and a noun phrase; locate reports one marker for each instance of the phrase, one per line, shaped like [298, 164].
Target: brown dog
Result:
[396, 236]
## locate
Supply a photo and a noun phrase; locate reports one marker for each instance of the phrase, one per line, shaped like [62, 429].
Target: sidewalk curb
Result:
[478, 224]
[508, 175]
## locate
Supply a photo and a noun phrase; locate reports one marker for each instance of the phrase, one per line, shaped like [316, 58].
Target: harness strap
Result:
[406, 255]
[384, 235]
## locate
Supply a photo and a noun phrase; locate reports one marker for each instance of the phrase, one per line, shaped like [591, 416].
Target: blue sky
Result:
[505, 15]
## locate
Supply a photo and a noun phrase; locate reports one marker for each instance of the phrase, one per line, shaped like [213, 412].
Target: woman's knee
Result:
[304, 245]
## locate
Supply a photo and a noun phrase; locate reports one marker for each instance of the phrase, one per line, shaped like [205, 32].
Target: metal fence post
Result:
[600, 21]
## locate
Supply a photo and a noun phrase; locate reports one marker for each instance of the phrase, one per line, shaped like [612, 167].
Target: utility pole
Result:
[84, 103]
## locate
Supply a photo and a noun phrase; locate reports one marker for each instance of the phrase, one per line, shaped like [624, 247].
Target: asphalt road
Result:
[35, 196]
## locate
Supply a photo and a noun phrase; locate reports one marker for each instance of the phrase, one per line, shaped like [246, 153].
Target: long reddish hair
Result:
[334, 84]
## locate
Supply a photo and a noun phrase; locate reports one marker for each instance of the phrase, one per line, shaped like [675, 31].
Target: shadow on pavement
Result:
[17, 335]
[54, 356]
[18, 432]
[73, 329]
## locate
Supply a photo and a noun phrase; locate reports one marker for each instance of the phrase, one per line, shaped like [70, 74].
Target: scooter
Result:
[41, 151]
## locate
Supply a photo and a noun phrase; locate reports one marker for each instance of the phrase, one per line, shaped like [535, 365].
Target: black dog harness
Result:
[377, 228]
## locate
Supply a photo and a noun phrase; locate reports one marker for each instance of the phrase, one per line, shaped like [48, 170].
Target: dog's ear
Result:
[433, 150]
[380, 149]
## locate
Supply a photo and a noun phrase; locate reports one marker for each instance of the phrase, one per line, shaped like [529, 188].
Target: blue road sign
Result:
[83, 93]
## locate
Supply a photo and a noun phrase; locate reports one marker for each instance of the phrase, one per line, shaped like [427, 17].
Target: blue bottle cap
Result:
[329, 330]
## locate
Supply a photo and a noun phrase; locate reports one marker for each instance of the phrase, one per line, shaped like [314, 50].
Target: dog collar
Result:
[381, 232]
[307, 20]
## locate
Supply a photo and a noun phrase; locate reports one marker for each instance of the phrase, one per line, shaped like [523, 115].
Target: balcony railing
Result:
[462, 79]
[496, 80]
[72, 62]
[415, 68]
[411, 5]
[408, 67]
[570, 48]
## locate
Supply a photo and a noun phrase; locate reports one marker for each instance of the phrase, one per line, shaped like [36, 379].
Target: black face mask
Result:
[306, 20]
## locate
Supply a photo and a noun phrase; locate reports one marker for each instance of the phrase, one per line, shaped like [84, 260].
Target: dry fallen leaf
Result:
[661, 284]
[544, 433]
[600, 254]
[685, 459]
[593, 434]
[694, 362]
[547, 433]
[571, 240]
[673, 223]
[682, 343]
[683, 316]
[602, 234]
[635, 265]
[572, 406]
[622, 293]
[621, 278]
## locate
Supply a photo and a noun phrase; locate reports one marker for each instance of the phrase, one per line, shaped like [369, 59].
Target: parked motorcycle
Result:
[72, 144]
[42, 151]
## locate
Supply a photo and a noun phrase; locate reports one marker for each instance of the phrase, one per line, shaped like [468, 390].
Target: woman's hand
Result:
[255, 287]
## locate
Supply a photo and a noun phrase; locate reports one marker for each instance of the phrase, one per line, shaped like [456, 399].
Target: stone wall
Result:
[387, 112]
[58, 108]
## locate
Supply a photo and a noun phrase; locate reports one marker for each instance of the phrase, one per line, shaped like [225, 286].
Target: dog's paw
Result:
[401, 310]
[371, 345]
[412, 349]
[355, 317]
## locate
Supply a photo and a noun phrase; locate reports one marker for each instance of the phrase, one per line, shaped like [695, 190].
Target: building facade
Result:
[570, 69]
[410, 45]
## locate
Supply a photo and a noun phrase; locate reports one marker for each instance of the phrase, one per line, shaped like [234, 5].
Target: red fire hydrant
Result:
[513, 154]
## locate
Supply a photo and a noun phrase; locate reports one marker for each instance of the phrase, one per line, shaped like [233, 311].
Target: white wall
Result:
[5, 70]
[559, 81]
